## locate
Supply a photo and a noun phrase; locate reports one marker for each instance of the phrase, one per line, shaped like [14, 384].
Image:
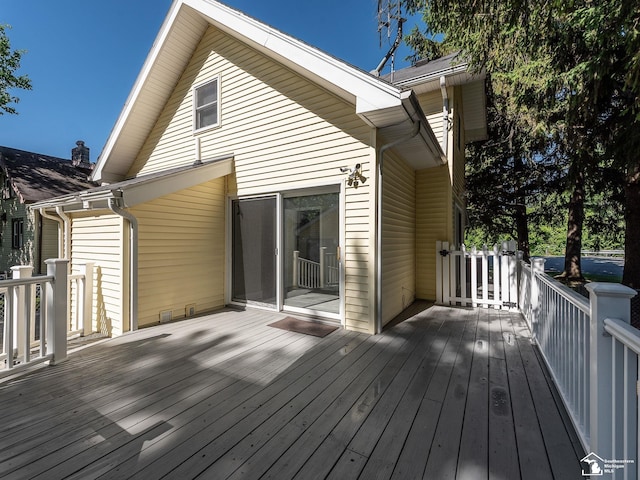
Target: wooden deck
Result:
[448, 393]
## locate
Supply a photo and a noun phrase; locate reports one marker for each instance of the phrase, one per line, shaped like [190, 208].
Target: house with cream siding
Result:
[248, 168]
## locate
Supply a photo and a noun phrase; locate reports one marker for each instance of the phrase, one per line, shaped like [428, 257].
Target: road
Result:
[601, 267]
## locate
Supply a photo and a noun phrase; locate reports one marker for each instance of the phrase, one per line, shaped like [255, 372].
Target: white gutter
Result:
[378, 266]
[445, 115]
[60, 222]
[133, 255]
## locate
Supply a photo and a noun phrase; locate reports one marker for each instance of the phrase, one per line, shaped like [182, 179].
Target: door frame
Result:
[279, 195]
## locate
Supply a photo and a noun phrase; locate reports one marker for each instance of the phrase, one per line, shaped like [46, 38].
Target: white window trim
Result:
[195, 116]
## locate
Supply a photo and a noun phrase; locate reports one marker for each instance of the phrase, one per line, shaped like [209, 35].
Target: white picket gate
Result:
[477, 278]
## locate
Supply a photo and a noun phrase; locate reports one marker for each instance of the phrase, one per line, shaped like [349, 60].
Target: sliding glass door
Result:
[307, 270]
[311, 238]
[254, 228]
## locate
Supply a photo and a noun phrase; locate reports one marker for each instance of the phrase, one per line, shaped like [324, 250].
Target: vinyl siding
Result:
[10, 256]
[398, 238]
[431, 104]
[285, 133]
[49, 242]
[359, 259]
[99, 237]
[433, 222]
[181, 252]
[458, 145]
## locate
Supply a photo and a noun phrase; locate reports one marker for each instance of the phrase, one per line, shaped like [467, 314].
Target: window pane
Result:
[311, 260]
[207, 94]
[207, 116]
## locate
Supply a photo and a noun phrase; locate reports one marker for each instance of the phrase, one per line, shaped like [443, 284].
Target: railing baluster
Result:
[9, 327]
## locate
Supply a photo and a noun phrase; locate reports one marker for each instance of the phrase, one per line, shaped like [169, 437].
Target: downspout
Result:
[445, 116]
[60, 222]
[133, 260]
[414, 131]
[66, 250]
[66, 253]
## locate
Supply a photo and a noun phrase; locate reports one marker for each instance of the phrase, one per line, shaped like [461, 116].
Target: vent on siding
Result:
[190, 310]
[165, 316]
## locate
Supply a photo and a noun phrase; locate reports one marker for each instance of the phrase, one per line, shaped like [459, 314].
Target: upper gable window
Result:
[207, 105]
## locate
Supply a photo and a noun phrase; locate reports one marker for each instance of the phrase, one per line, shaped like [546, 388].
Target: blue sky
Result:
[83, 57]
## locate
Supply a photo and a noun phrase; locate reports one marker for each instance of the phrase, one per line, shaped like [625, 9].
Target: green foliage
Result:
[9, 64]
[567, 72]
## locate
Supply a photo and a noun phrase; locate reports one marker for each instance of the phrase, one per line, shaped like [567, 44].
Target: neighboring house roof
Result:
[390, 108]
[35, 177]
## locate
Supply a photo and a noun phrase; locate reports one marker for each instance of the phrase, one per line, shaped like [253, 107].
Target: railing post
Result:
[608, 300]
[22, 333]
[296, 278]
[57, 309]
[537, 268]
[87, 298]
[323, 266]
[439, 273]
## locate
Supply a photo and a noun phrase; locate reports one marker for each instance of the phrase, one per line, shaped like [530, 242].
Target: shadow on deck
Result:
[447, 393]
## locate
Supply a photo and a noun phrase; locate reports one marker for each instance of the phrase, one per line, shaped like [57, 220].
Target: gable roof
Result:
[425, 77]
[380, 104]
[36, 177]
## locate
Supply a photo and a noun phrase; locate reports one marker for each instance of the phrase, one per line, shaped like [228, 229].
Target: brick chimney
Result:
[80, 155]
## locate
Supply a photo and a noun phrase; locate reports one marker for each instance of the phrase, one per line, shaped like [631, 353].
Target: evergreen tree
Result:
[571, 68]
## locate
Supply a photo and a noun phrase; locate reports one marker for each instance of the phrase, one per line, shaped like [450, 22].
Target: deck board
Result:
[446, 393]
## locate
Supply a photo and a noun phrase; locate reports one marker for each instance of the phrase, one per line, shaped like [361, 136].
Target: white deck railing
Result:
[36, 321]
[559, 320]
[588, 345]
[591, 352]
[623, 417]
[310, 274]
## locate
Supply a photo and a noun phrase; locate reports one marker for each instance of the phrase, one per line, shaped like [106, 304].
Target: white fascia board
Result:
[55, 202]
[460, 72]
[414, 112]
[145, 191]
[369, 92]
[96, 176]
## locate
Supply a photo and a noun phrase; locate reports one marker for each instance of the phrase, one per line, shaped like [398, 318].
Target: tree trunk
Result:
[520, 212]
[572, 267]
[631, 275]
[522, 230]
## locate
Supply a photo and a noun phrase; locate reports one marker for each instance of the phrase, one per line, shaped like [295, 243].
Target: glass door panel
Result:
[254, 251]
[311, 253]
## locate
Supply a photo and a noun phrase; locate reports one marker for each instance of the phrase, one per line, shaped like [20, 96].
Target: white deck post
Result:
[23, 326]
[323, 266]
[512, 245]
[296, 274]
[497, 260]
[608, 300]
[537, 268]
[439, 272]
[474, 277]
[57, 309]
[463, 275]
[87, 298]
